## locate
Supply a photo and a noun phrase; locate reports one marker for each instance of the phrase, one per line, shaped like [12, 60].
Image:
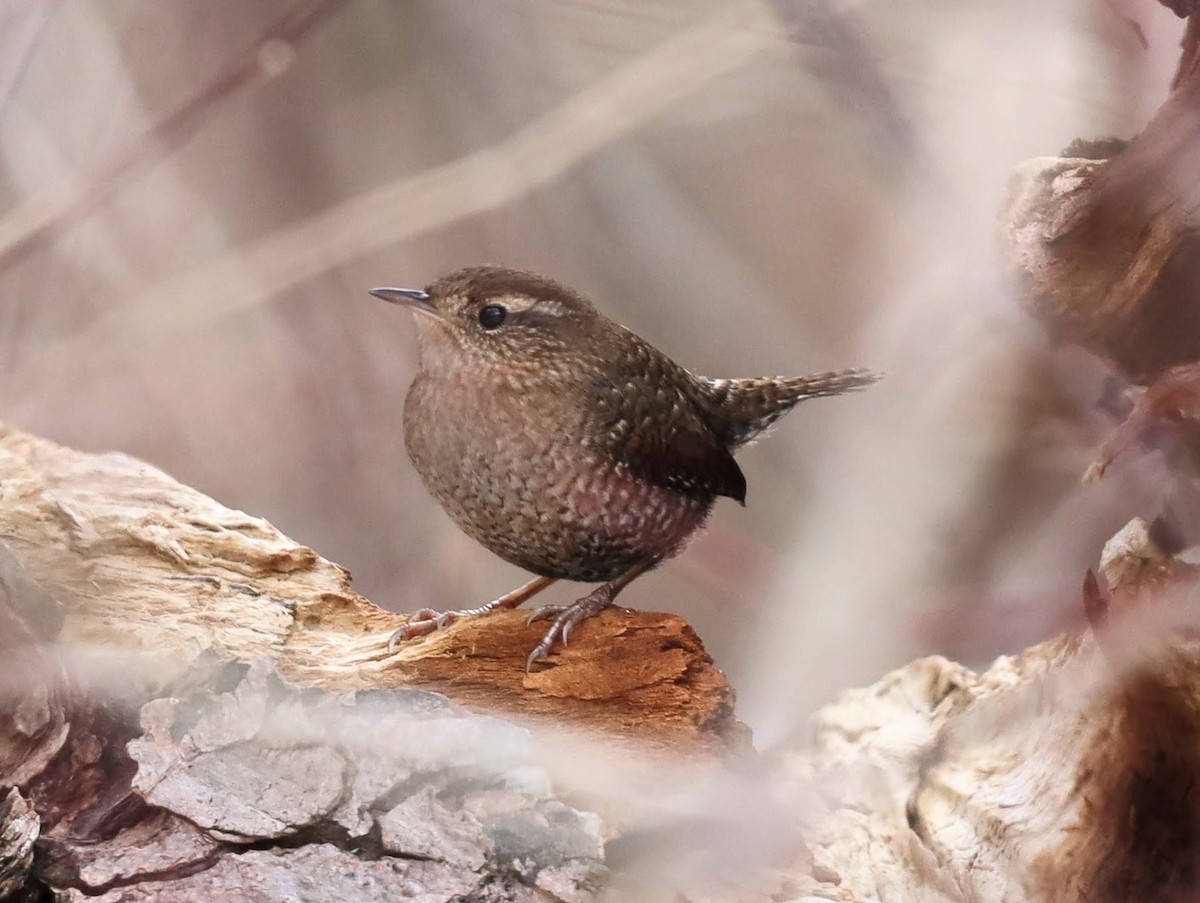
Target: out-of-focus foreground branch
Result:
[1104, 246]
[1103, 240]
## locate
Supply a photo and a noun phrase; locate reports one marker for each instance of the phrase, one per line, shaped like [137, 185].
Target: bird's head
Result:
[493, 315]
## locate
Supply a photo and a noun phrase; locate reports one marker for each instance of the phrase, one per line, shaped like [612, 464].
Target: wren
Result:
[565, 443]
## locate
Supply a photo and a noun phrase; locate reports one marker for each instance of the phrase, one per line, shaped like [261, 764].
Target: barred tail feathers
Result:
[743, 408]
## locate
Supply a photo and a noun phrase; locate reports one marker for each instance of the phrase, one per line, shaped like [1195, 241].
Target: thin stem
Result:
[56, 208]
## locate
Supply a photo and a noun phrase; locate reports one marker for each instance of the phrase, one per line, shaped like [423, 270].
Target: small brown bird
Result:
[567, 444]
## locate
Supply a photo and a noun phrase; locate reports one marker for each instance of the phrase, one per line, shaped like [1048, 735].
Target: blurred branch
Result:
[840, 54]
[1181, 8]
[28, 33]
[61, 205]
[1173, 399]
[606, 110]
[11, 9]
[1104, 243]
[1128, 22]
[1190, 56]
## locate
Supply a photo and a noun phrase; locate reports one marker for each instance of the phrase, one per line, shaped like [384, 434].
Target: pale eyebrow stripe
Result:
[515, 303]
[522, 303]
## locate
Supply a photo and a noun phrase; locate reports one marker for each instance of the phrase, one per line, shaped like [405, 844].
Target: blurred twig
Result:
[609, 108]
[11, 9]
[1190, 57]
[23, 43]
[1182, 8]
[845, 60]
[62, 204]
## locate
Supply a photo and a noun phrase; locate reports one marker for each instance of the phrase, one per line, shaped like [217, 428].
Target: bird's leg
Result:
[568, 617]
[427, 620]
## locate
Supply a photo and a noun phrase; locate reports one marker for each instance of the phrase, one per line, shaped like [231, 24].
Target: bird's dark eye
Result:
[491, 316]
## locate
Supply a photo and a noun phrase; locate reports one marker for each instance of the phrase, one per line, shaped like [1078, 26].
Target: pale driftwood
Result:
[220, 710]
[1067, 773]
[145, 563]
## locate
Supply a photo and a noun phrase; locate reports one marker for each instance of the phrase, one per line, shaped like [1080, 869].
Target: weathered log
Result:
[219, 710]
[145, 563]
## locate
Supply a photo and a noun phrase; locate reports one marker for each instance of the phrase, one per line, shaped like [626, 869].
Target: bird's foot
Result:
[426, 621]
[567, 618]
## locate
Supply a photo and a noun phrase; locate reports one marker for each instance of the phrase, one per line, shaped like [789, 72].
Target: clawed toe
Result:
[410, 631]
[560, 631]
[540, 651]
[545, 613]
[566, 619]
[427, 620]
[399, 635]
[423, 623]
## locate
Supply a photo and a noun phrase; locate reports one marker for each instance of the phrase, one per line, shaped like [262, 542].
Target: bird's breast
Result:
[527, 485]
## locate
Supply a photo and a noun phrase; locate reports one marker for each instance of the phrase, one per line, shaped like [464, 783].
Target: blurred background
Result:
[195, 198]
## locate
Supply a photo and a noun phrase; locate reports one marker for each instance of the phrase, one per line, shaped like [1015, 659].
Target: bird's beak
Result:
[409, 297]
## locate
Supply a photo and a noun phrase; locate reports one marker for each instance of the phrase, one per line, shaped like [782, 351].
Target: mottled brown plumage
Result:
[567, 444]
